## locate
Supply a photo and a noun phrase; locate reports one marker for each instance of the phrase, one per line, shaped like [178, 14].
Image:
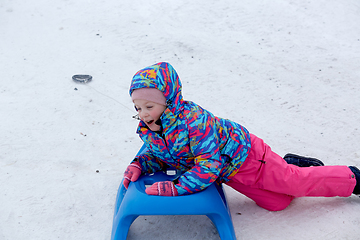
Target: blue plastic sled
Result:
[134, 202]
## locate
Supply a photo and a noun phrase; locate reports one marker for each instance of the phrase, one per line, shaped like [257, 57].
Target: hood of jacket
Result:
[163, 77]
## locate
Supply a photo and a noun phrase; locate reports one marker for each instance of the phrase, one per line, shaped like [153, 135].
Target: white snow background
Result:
[286, 70]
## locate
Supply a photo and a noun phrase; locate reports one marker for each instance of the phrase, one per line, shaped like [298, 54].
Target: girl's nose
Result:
[143, 114]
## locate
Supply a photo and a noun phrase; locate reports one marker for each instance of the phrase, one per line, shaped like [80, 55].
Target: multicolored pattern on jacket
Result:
[206, 148]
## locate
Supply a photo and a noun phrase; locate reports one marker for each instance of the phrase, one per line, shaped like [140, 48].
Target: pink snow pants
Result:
[266, 178]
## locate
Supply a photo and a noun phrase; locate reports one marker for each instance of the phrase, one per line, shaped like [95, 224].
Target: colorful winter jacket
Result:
[206, 148]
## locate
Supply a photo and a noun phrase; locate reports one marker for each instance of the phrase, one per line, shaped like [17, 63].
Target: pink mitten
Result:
[132, 173]
[166, 188]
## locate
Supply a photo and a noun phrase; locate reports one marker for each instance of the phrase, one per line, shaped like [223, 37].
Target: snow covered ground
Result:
[287, 70]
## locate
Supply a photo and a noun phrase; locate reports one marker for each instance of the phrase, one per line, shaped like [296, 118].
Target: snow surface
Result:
[287, 70]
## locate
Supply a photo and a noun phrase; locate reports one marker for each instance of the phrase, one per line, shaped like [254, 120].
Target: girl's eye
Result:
[149, 107]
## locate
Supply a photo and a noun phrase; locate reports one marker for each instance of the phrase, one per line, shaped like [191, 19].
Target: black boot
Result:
[302, 161]
[356, 172]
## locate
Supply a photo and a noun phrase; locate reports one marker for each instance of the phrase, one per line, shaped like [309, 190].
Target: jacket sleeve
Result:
[149, 163]
[204, 145]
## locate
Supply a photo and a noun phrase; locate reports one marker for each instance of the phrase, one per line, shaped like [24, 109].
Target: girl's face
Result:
[149, 112]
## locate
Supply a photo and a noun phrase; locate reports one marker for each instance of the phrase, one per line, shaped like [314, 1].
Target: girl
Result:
[206, 148]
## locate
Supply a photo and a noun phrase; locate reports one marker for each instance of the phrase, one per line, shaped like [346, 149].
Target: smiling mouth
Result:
[150, 122]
